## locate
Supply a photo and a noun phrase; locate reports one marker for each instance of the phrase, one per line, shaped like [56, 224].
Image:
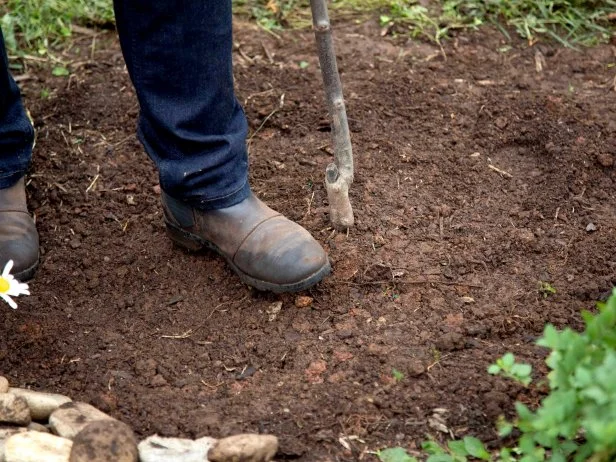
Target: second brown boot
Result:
[265, 249]
[19, 239]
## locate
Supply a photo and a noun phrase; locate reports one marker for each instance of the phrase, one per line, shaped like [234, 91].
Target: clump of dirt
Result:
[477, 177]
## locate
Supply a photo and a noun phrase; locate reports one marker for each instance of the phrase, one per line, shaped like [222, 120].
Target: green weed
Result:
[37, 25]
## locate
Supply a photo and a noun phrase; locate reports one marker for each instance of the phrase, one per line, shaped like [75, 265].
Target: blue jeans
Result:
[178, 55]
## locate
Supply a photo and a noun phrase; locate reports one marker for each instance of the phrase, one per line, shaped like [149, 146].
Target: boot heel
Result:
[184, 239]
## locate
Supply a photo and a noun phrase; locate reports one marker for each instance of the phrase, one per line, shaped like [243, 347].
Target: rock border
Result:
[48, 427]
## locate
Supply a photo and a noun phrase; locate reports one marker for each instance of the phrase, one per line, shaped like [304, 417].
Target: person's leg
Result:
[178, 54]
[179, 57]
[16, 133]
[18, 236]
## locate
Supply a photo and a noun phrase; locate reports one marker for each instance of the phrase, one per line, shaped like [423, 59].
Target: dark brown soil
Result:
[477, 176]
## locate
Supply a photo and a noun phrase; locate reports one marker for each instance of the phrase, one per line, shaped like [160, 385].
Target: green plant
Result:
[397, 375]
[508, 367]
[37, 25]
[546, 289]
[576, 421]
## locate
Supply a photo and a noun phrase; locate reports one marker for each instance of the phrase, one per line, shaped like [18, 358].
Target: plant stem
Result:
[339, 174]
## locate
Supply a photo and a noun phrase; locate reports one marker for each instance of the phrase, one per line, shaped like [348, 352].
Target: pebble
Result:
[244, 448]
[70, 418]
[105, 441]
[4, 384]
[303, 301]
[605, 159]
[37, 447]
[159, 449]
[14, 410]
[37, 427]
[41, 404]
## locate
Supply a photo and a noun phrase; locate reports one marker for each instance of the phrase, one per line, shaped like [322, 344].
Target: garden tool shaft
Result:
[339, 174]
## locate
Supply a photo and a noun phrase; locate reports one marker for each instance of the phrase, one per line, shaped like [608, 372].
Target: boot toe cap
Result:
[281, 252]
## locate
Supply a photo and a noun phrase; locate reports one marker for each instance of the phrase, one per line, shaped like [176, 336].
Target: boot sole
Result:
[28, 273]
[194, 243]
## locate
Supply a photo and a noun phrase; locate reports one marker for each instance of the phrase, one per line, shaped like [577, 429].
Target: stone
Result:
[159, 449]
[37, 427]
[4, 384]
[605, 159]
[104, 441]
[37, 447]
[14, 410]
[41, 404]
[70, 418]
[5, 434]
[244, 448]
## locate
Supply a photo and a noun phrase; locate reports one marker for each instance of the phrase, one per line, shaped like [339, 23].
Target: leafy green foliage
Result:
[582, 398]
[576, 421]
[508, 367]
[39, 24]
[395, 455]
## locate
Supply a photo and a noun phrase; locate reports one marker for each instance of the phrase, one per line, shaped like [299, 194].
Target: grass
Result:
[570, 22]
[39, 25]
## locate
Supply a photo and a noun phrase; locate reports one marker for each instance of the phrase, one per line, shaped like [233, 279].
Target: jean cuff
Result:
[9, 179]
[233, 198]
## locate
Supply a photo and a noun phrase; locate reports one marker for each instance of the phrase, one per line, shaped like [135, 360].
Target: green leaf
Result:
[432, 447]
[457, 448]
[60, 71]
[508, 360]
[494, 369]
[395, 455]
[397, 375]
[550, 337]
[504, 427]
[476, 448]
[303, 64]
[440, 458]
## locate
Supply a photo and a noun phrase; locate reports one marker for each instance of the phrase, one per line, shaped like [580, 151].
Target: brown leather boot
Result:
[19, 240]
[265, 249]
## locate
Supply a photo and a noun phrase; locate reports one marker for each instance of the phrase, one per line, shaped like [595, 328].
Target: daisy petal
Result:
[7, 268]
[8, 300]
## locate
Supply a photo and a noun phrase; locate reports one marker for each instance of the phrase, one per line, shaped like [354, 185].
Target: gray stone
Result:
[244, 448]
[105, 441]
[37, 447]
[14, 410]
[70, 418]
[4, 384]
[41, 404]
[159, 449]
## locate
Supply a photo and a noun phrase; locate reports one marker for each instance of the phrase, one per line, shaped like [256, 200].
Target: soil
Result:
[479, 168]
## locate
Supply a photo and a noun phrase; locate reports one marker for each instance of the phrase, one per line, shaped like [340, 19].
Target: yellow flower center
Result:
[4, 285]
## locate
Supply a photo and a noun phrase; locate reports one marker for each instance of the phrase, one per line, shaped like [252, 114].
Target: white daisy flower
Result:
[11, 287]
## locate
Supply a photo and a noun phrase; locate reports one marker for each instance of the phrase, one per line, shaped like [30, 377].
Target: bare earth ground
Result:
[439, 277]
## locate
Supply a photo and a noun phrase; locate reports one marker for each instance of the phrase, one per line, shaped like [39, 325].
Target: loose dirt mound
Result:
[477, 176]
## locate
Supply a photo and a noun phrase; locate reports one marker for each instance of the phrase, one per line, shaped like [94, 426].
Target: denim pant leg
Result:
[178, 55]
[16, 132]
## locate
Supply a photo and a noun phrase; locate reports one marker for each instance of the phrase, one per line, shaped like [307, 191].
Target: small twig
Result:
[502, 172]
[280, 105]
[93, 183]
[309, 205]
[186, 334]
[437, 361]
